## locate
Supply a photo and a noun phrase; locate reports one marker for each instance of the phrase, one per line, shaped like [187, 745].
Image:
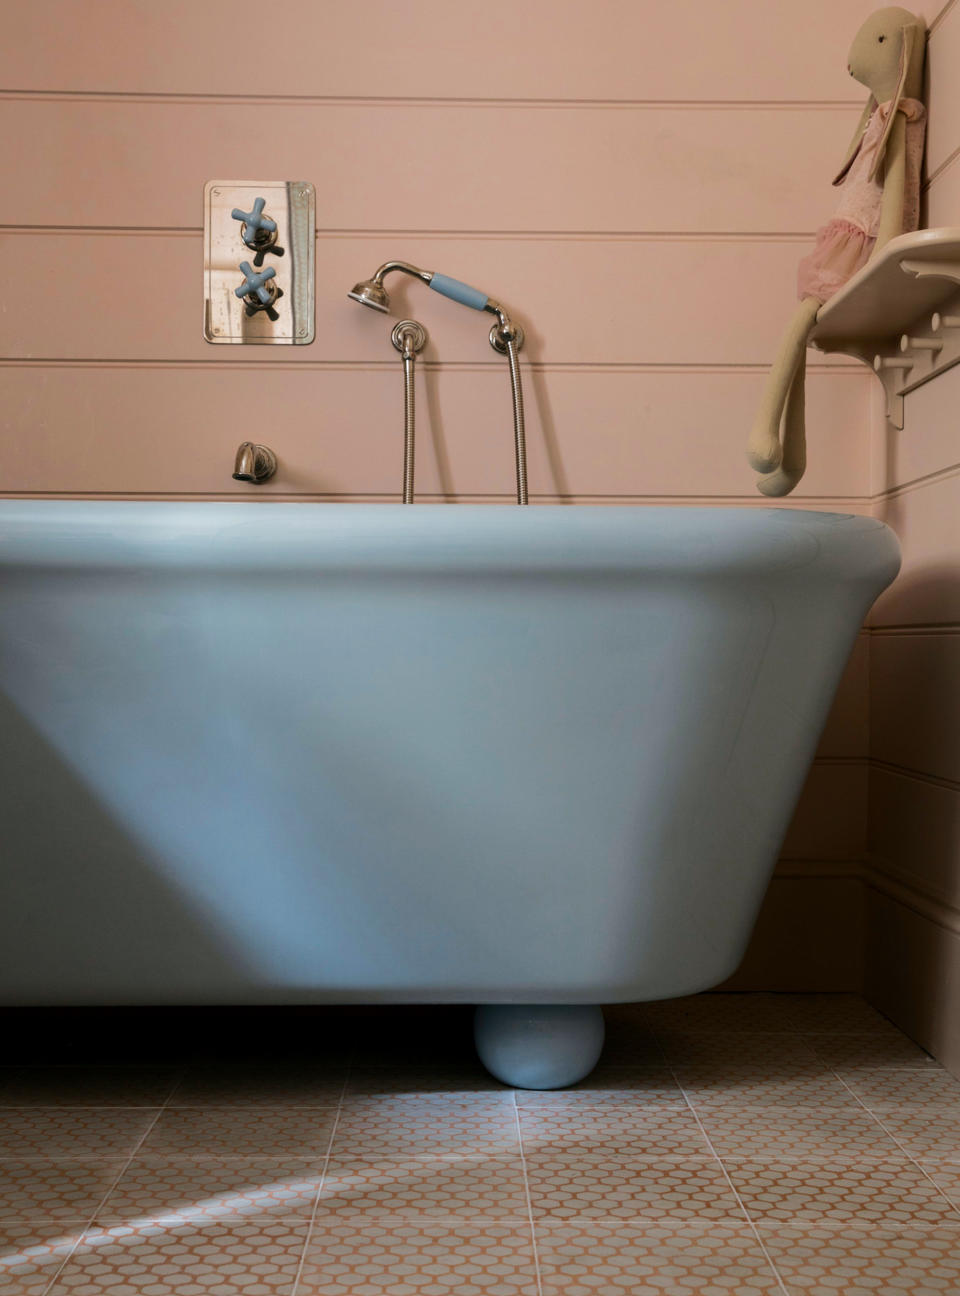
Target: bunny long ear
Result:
[857, 140]
[908, 36]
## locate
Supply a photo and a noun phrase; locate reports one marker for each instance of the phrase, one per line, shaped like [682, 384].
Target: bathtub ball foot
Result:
[538, 1046]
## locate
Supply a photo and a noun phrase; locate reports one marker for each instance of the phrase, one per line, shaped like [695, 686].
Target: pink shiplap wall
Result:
[637, 187]
[636, 184]
[913, 877]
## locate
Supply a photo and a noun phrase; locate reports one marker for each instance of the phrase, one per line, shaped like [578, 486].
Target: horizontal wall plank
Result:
[620, 49]
[943, 58]
[140, 297]
[942, 199]
[928, 441]
[927, 520]
[830, 821]
[915, 828]
[433, 167]
[915, 702]
[157, 429]
[912, 975]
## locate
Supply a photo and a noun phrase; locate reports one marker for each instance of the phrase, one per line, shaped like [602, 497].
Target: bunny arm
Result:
[894, 184]
[764, 451]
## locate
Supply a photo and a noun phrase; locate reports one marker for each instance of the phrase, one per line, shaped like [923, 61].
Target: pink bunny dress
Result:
[845, 243]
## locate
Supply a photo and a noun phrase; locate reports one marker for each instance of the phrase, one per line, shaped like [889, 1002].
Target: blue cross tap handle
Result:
[255, 283]
[259, 227]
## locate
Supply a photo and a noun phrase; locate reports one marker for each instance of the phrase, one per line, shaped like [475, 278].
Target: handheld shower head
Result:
[372, 294]
[505, 337]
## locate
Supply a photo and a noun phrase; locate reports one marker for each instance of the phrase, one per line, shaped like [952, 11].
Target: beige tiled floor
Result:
[728, 1145]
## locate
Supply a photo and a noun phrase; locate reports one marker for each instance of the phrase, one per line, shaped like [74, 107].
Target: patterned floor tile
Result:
[422, 1080]
[629, 1040]
[843, 1014]
[766, 1051]
[253, 1258]
[946, 1175]
[594, 1257]
[88, 1131]
[244, 1085]
[86, 1086]
[611, 1086]
[465, 1187]
[858, 1052]
[418, 1258]
[624, 1188]
[423, 1129]
[904, 1087]
[719, 1012]
[865, 1262]
[891, 1193]
[795, 1133]
[212, 1131]
[154, 1187]
[929, 1131]
[641, 1132]
[461, 1101]
[743, 1086]
[39, 1189]
[30, 1257]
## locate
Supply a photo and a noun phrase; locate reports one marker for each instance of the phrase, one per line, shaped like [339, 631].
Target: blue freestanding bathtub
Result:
[284, 753]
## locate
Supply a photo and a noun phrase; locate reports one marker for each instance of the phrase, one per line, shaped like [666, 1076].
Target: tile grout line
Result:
[526, 1192]
[719, 1160]
[81, 1233]
[802, 1033]
[909, 1155]
[323, 1180]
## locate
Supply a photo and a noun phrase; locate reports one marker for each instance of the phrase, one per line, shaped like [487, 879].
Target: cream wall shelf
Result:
[900, 314]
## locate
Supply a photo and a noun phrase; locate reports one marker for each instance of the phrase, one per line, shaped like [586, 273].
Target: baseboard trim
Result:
[896, 885]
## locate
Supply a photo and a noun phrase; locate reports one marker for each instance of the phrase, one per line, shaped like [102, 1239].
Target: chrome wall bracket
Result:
[275, 219]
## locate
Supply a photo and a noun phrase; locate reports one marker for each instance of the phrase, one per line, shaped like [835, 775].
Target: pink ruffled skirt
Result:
[839, 252]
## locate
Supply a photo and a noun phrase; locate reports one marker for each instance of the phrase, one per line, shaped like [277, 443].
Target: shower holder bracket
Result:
[289, 250]
[900, 314]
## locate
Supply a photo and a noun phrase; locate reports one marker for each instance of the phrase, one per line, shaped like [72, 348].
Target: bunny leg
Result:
[764, 452]
[794, 462]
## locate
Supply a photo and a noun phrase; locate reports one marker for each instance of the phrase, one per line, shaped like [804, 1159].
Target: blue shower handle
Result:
[254, 283]
[255, 221]
[460, 292]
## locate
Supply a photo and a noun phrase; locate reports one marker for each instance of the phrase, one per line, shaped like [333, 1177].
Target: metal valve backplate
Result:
[226, 317]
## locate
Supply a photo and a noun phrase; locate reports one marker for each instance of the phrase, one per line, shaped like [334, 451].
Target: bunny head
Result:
[887, 57]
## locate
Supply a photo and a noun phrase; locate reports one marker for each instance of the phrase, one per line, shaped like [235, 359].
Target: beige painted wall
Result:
[636, 183]
[913, 879]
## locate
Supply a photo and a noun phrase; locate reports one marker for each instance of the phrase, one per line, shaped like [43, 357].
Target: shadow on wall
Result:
[85, 908]
[543, 424]
[921, 596]
[912, 954]
[548, 429]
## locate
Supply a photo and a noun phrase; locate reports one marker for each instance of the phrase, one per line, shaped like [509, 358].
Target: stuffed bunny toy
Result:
[881, 175]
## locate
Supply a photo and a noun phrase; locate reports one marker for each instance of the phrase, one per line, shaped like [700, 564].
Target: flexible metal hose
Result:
[409, 424]
[519, 431]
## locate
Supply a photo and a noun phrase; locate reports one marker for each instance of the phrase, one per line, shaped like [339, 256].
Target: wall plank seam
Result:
[905, 488]
[440, 102]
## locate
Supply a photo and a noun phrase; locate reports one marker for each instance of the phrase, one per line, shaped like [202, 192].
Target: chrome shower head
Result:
[371, 293]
